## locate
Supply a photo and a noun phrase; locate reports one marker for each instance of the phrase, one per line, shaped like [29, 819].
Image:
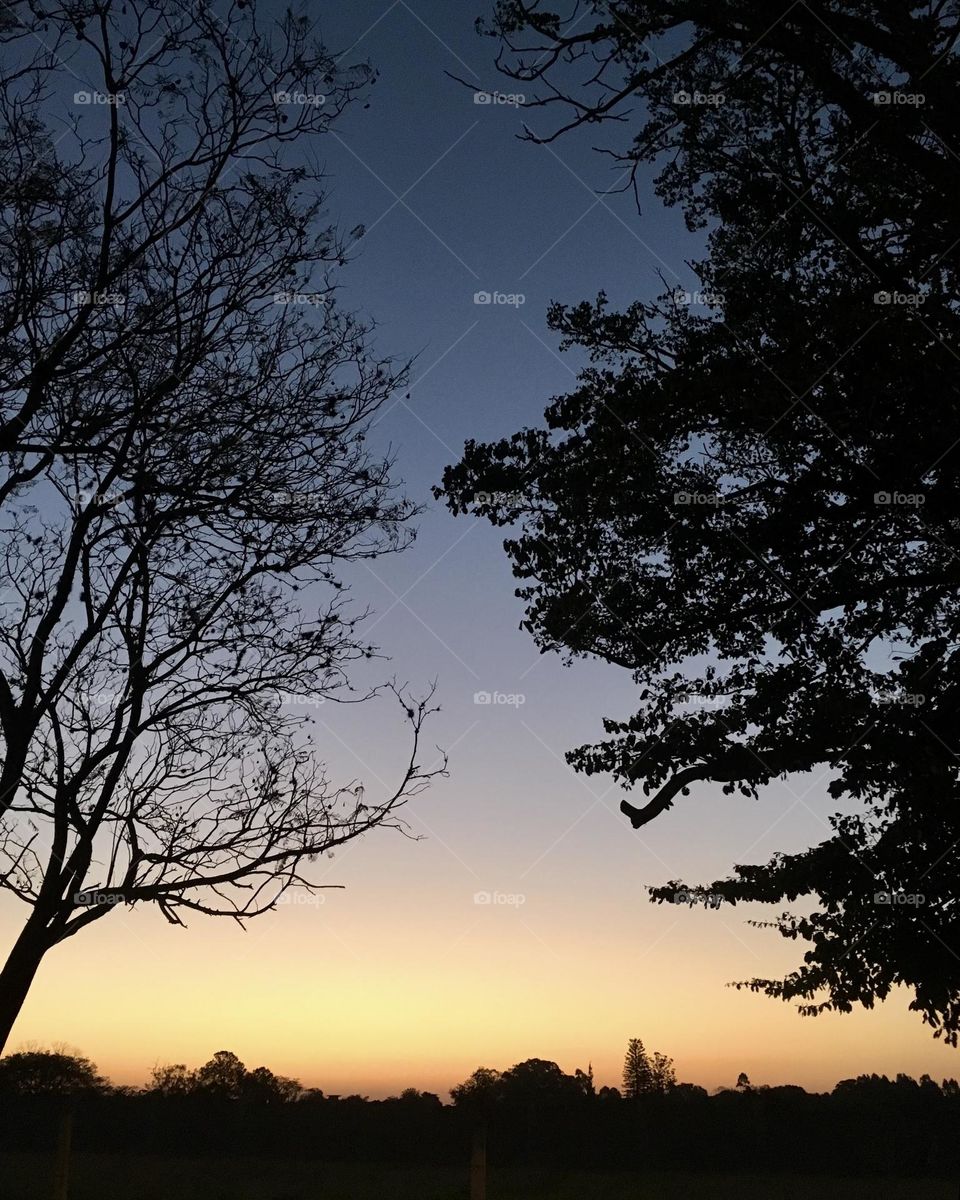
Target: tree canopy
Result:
[871, 1125]
[224, 1077]
[750, 499]
[58, 1072]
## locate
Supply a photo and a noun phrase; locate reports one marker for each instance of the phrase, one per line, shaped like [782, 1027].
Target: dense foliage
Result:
[750, 501]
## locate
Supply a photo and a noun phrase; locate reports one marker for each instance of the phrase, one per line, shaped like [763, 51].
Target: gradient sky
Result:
[402, 979]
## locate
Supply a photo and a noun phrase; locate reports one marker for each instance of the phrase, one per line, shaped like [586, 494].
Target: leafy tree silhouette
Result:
[637, 1071]
[61, 1072]
[480, 1092]
[871, 1124]
[172, 1079]
[750, 499]
[223, 1076]
[663, 1077]
[261, 1086]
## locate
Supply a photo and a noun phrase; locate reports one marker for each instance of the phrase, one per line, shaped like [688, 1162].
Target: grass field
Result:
[115, 1177]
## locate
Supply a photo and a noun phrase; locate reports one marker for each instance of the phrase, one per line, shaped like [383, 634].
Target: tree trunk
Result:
[61, 1172]
[19, 971]
[478, 1164]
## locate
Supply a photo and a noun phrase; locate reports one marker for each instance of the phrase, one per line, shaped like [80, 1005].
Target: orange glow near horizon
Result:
[407, 978]
[350, 998]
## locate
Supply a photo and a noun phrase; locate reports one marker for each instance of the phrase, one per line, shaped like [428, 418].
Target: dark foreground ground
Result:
[122, 1177]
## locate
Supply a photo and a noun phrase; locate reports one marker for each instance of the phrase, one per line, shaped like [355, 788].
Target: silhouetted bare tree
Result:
[183, 411]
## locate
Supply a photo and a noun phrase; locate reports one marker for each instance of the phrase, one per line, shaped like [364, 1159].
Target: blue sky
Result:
[403, 978]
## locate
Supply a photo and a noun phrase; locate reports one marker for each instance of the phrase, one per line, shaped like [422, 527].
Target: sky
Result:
[513, 922]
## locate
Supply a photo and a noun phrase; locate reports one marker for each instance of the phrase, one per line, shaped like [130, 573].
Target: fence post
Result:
[478, 1164]
[61, 1173]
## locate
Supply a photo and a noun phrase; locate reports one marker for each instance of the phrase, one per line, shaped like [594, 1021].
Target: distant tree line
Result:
[534, 1112]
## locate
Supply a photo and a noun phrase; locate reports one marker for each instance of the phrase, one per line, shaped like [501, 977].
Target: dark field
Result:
[119, 1177]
